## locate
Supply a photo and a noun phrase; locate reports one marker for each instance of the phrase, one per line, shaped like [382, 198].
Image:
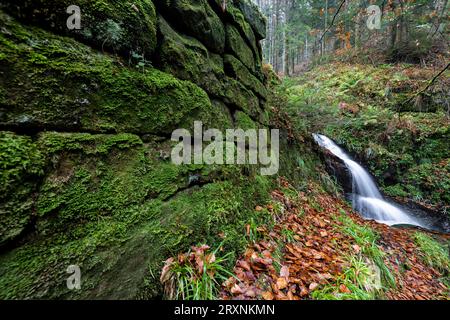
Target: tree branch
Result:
[332, 21]
[430, 83]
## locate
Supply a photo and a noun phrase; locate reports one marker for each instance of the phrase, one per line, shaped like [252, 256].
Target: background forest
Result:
[303, 30]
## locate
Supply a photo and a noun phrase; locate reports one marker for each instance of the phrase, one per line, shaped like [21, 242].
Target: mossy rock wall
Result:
[126, 27]
[85, 123]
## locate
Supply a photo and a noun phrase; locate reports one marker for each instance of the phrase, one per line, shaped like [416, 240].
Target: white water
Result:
[366, 197]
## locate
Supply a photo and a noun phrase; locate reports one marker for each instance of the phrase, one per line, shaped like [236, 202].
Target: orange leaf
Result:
[343, 288]
[267, 295]
[281, 283]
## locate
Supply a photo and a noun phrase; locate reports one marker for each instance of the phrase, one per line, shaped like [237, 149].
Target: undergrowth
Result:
[432, 252]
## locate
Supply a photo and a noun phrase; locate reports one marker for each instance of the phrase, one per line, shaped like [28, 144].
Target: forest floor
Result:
[317, 247]
[320, 249]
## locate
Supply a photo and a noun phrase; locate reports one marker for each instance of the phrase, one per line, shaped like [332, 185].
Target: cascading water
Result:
[366, 197]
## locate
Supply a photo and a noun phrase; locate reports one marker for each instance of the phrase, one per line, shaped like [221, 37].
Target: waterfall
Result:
[366, 197]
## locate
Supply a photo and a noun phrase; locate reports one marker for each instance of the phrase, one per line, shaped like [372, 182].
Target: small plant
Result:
[196, 275]
[351, 285]
[433, 253]
[139, 60]
[252, 231]
[288, 235]
[366, 239]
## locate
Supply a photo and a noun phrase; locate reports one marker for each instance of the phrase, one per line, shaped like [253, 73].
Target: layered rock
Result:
[85, 121]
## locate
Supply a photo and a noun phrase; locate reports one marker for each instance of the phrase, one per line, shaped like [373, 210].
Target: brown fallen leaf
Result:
[313, 286]
[236, 290]
[281, 283]
[304, 292]
[343, 289]
[244, 264]
[267, 295]
[284, 272]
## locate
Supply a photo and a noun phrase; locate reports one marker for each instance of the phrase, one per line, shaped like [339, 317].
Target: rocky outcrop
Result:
[85, 121]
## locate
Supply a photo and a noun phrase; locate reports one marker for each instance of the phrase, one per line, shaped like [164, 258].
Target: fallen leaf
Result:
[281, 283]
[236, 290]
[284, 272]
[343, 289]
[267, 295]
[313, 286]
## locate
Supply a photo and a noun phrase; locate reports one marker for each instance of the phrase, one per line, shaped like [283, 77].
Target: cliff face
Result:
[85, 123]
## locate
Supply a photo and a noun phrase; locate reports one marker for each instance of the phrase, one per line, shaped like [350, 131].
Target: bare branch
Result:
[332, 21]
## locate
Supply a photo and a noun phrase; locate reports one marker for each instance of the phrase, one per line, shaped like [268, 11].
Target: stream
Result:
[367, 199]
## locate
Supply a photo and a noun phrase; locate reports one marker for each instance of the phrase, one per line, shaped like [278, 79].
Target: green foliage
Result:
[366, 239]
[433, 253]
[354, 105]
[355, 279]
[204, 286]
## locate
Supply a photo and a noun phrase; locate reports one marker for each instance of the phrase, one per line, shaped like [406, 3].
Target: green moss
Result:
[256, 19]
[239, 72]
[54, 82]
[117, 207]
[21, 165]
[196, 19]
[119, 26]
[243, 121]
[244, 28]
[236, 45]
[236, 95]
[188, 58]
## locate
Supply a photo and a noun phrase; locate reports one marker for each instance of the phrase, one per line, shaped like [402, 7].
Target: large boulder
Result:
[127, 27]
[254, 17]
[197, 19]
[236, 45]
[187, 58]
[52, 82]
[238, 71]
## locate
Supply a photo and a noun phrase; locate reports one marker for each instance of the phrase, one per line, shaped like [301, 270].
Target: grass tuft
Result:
[432, 252]
[366, 238]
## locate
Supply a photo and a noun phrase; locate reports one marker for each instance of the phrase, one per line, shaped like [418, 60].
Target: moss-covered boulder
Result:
[57, 83]
[196, 19]
[238, 71]
[21, 165]
[189, 59]
[238, 47]
[127, 26]
[245, 29]
[254, 17]
[86, 176]
[238, 97]
[117, 208]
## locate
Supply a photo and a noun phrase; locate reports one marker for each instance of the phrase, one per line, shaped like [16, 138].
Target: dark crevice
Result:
[35, 129]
